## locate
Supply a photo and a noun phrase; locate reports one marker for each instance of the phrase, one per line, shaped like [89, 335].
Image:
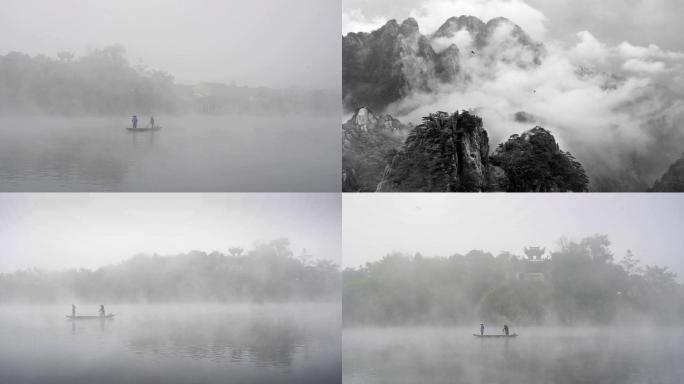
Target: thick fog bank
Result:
[267, 273]
[104, 83]
[581, 283]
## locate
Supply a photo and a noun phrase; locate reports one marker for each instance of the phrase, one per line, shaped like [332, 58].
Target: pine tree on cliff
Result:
[451, 154]
[533, 162]
[444, 154]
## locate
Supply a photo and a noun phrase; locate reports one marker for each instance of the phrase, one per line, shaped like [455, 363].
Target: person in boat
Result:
[73, 310]
[134, 120]
[102, 310]
[151, 121]
[505, 329]
[481, 329]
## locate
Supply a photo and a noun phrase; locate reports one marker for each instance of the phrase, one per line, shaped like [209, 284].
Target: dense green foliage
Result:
[269, 272]
[103, 82]
[534, 163]
[579, 283]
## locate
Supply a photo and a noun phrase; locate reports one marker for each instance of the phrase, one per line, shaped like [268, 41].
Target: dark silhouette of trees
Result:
[103, 82]
[534, 163]
[269, 272]
[578, 283]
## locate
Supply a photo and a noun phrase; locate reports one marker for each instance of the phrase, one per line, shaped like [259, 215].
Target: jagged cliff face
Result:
[672, 180]
[368, 144]
[388, 64]
[498, 40]
[385, 65]
[364, 120]
[450, 153]
[444, 154]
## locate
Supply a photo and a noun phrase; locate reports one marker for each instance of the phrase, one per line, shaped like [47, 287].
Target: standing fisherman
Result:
[134, 119]
[481, 329]
[505, 329]
[73, 310]
[151, 121]
[102, 310]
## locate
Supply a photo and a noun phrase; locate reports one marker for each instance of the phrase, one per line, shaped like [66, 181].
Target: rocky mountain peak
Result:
[390, 63]
[450, 152]
[409, 27]
[363, 119]
[454, 24]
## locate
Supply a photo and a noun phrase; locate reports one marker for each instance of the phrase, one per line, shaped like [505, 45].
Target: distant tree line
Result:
[103, 82]
[268, 273]
[580, 283]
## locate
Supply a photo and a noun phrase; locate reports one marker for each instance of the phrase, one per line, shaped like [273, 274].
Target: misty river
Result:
[190, 153]
[550, 355]
[247, 343]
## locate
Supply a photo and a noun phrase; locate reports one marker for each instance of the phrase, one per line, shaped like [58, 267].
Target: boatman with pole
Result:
[481, 329]
[73, 310]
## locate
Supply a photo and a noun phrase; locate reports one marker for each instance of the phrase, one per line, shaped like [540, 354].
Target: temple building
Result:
[536, 266]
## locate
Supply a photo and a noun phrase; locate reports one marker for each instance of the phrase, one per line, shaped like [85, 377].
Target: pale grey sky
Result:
[58, 231]
[650, 225]
[641, 22]
[270, 43]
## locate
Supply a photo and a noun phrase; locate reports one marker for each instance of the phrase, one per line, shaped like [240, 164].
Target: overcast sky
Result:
[443, 224]
[272, 43]
[58, 231]
[640, 22]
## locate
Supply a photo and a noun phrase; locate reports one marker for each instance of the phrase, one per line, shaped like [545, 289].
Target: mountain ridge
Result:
[383, 66]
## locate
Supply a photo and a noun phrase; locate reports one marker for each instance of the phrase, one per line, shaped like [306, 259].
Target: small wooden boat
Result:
[487, 336]
[144, 129]
[108, 317]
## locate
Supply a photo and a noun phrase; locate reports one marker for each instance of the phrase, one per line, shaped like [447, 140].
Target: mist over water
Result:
[172, 343]
[190, 153]
[555, 355]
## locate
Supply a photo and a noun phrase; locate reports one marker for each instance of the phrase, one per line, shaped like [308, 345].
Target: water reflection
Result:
[227, 153]
[544, 355]
[173, 344]
[263, 341]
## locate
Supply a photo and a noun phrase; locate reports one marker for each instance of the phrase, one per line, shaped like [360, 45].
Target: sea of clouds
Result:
[617, 107]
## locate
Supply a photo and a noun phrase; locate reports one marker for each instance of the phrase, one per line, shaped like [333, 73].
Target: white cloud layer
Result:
[355, 21]
[616, 108]
[619, 108]
[432, 13]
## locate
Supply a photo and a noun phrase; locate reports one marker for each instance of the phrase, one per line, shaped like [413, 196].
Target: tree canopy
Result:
[580, 283]
[268, 272]
[103, 82]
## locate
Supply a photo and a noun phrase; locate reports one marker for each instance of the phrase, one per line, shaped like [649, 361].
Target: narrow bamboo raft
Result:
[144, 129]
[495, 336]
[108, 317]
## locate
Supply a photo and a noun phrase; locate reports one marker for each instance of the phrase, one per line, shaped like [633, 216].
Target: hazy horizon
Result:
[441, 225]
[65, 231]
[261, 43]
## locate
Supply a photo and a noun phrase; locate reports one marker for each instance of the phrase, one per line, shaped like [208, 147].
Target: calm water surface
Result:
[190, 154]
[172, 344]
[539, 355]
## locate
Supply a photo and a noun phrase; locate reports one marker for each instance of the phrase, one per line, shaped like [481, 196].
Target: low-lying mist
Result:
[103, 82]
[580, 283]
[267, 273]
[616, 108]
